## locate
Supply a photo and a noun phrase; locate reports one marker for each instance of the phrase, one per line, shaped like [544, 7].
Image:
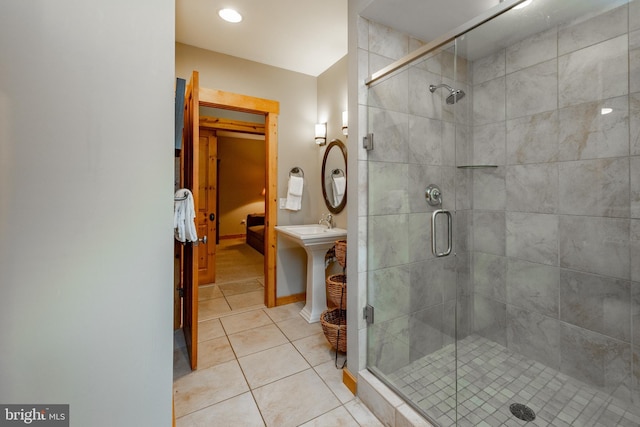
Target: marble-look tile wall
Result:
[416, 136]
[556, 227]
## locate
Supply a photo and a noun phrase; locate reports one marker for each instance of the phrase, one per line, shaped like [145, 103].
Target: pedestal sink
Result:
[316, 241]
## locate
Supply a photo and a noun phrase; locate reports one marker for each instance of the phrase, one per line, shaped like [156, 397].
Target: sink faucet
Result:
[327, 220]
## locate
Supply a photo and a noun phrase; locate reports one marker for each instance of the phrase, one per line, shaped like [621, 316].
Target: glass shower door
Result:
[417, 286]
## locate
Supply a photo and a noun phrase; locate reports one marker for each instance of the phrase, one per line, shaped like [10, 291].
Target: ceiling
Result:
[425, 20]
[308, 36]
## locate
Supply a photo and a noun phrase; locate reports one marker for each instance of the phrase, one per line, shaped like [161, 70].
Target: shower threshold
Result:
[491, 378]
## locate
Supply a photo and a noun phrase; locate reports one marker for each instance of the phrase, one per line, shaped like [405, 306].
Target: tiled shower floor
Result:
[491, 378]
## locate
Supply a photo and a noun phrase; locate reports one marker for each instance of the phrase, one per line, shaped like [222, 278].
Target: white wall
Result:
[86, 170]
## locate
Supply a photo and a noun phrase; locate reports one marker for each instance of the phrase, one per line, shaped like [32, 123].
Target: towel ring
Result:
[296, 171]
[337, 173]
[179, 199]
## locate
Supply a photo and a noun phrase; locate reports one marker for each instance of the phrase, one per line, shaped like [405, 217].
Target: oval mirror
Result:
[334, 176]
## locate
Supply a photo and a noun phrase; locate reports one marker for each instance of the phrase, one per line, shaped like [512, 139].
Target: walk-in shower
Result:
[534, 314]
[455, 95]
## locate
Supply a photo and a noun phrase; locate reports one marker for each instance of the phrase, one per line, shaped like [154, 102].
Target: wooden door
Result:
[189, 166]
[206, 207]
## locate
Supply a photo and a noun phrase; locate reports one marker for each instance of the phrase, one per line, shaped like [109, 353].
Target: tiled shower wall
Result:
[415, 137]
[556, 228]
[552, 236]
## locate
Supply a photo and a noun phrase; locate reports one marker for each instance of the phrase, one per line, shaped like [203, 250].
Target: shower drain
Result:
[522, 411]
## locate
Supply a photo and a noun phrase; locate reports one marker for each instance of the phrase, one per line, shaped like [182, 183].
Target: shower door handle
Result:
[434, 234]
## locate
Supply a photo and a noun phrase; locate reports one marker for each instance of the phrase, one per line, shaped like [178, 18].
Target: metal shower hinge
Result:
[367, 142]
[367, 314]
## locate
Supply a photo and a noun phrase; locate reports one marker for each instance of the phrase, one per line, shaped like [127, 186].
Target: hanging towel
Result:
[294, 193]
[339, 184]
[183, 216]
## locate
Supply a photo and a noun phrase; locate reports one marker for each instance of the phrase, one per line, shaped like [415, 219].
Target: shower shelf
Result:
[478, 167]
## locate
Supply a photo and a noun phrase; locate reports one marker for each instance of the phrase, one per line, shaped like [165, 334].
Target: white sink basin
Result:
[316, 241]
[311, 234]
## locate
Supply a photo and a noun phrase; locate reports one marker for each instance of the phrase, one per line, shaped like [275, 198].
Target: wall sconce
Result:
[345, 123]
[321, 133]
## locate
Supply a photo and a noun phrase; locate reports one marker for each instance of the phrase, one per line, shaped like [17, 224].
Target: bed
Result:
[255, 231]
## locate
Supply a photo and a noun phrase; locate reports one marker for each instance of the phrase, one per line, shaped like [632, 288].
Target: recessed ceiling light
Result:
[230, 15]
[523, 4]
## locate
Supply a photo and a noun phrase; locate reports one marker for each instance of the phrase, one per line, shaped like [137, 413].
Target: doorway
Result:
[207, 130]
[269, 109]
[238, 283]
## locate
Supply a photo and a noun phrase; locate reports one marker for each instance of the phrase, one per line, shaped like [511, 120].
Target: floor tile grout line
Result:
[231, 312]
[246, 380]
[329, 387]
[289, 341]
[277, 345]
[217, 403]
[312, 366]
[283, 378]
[253, 396]
[235, 281]
[244, 375]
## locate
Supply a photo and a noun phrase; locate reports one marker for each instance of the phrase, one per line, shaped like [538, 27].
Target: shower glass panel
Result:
[419, 137]
[535, 314]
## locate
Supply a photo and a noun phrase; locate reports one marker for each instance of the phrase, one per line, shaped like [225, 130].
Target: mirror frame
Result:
[343, 148]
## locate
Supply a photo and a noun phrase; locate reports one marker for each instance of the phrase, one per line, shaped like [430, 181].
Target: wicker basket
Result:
[341, 252]
[334, 326]
[337, 290]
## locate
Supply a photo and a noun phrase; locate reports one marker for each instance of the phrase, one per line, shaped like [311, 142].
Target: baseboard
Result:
[291, 299]
[350, 381]
[233, 236]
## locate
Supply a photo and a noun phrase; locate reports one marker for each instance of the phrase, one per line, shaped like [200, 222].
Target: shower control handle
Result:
[433, 194]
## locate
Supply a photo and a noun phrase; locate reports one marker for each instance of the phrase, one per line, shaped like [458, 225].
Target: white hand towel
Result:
[296, 183]
[294, 193]
[339, 185]
[183, 216]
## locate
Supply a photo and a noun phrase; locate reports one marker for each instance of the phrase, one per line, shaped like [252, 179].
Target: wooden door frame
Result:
[269, 109]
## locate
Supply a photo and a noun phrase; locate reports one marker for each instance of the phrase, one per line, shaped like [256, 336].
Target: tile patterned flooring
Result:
[263, 367]
[258, 366]
[239, 281]
[491, 378]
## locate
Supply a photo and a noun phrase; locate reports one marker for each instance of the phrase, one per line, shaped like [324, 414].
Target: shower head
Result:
[455, 95]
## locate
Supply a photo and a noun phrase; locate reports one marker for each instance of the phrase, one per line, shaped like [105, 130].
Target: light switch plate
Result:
[283, 202]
